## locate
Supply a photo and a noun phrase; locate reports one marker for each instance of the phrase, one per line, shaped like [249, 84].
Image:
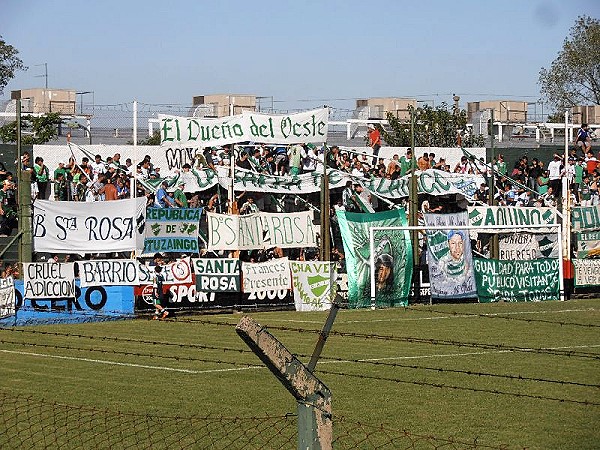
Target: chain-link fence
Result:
[28, 422]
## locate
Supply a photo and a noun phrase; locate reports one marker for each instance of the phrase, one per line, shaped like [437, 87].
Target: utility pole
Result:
[494, 245]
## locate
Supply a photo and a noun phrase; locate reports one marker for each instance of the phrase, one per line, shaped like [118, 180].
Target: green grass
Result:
[429, 400]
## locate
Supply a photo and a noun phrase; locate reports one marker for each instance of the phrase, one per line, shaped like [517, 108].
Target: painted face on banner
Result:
[456, 245]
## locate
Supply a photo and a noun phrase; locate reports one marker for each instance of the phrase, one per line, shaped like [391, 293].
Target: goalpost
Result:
[554, 229]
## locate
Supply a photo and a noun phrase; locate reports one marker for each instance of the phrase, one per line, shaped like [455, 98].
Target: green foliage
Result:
[34, 130]
[9, 63]
[152, 140]
[435, 127]
[574, 76]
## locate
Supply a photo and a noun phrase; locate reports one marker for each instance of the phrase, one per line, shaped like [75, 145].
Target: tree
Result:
[151, 140]
[574, 76]
[38, 130]
[9, 63]
[435, 127]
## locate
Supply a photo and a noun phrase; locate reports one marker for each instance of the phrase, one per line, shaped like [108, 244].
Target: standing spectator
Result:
[423, 162]
[60, 169]
[81, 188]
[163, 199]
[406, 163]
[7, 213]
[42, 176]
[179, 196]
[97, 167]
[555, 171]
[543, 182]
[97, 188]
[61, 191]
[249, 207]
[158, 294]
[243, 161]
[374, 142]
[577, 178]
[500, 166]
[295, 158]
[122, 188]
[310, 158]
[110, 190]
[590, 162]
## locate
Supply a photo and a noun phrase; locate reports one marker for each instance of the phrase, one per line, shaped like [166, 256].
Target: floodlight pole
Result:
[494, 244]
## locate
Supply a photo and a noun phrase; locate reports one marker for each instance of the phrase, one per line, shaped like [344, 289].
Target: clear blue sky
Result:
[317, 50]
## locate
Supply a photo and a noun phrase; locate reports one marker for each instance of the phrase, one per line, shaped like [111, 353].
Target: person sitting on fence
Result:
[584, 138]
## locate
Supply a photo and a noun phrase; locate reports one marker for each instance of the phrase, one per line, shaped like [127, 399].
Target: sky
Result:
[303, 53]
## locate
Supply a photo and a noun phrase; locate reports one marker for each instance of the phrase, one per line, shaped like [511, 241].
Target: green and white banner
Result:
[517, 281]
[588, 244]
[585, 218]
[314, 283]
[217, 274]
[433, 182]
[7, 297]
[48, 280]
[525, 246]
[489, 216]
[449, 258]
[393, 258]
[273, 275]
[587, 272]
[261, 230]
[172, 230]
[307, 126]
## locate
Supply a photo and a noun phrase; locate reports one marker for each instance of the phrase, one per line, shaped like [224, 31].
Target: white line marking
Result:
[239, 369]
[141, 366]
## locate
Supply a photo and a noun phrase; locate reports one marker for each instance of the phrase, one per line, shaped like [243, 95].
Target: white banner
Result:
[271, 275]
[587, 272]
[526, 246]
[289, 230]
[195, 132]
[261, 230]
[49, 280]
[114, 272]
[314, 283]
[7, 297]
[81, 227]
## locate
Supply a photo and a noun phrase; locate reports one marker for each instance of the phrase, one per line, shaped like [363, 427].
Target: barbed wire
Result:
[458, 371]
[518, 377]
[128, 353]
[416, 340]
[460, 388]
[500, 316]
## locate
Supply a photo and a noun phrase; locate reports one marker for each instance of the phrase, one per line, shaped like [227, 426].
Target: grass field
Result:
[519, 375]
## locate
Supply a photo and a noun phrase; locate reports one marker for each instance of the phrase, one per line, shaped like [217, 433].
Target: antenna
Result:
[45, 72]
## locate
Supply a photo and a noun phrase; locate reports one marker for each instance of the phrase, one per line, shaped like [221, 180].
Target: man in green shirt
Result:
[179, 196]
[406, 163]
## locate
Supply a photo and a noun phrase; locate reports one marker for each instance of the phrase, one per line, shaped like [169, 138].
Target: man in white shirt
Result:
[555, 171]
[97, 167]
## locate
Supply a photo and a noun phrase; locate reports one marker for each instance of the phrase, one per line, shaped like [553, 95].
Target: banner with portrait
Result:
[314, 283]
[449, 258]
[393, 258]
